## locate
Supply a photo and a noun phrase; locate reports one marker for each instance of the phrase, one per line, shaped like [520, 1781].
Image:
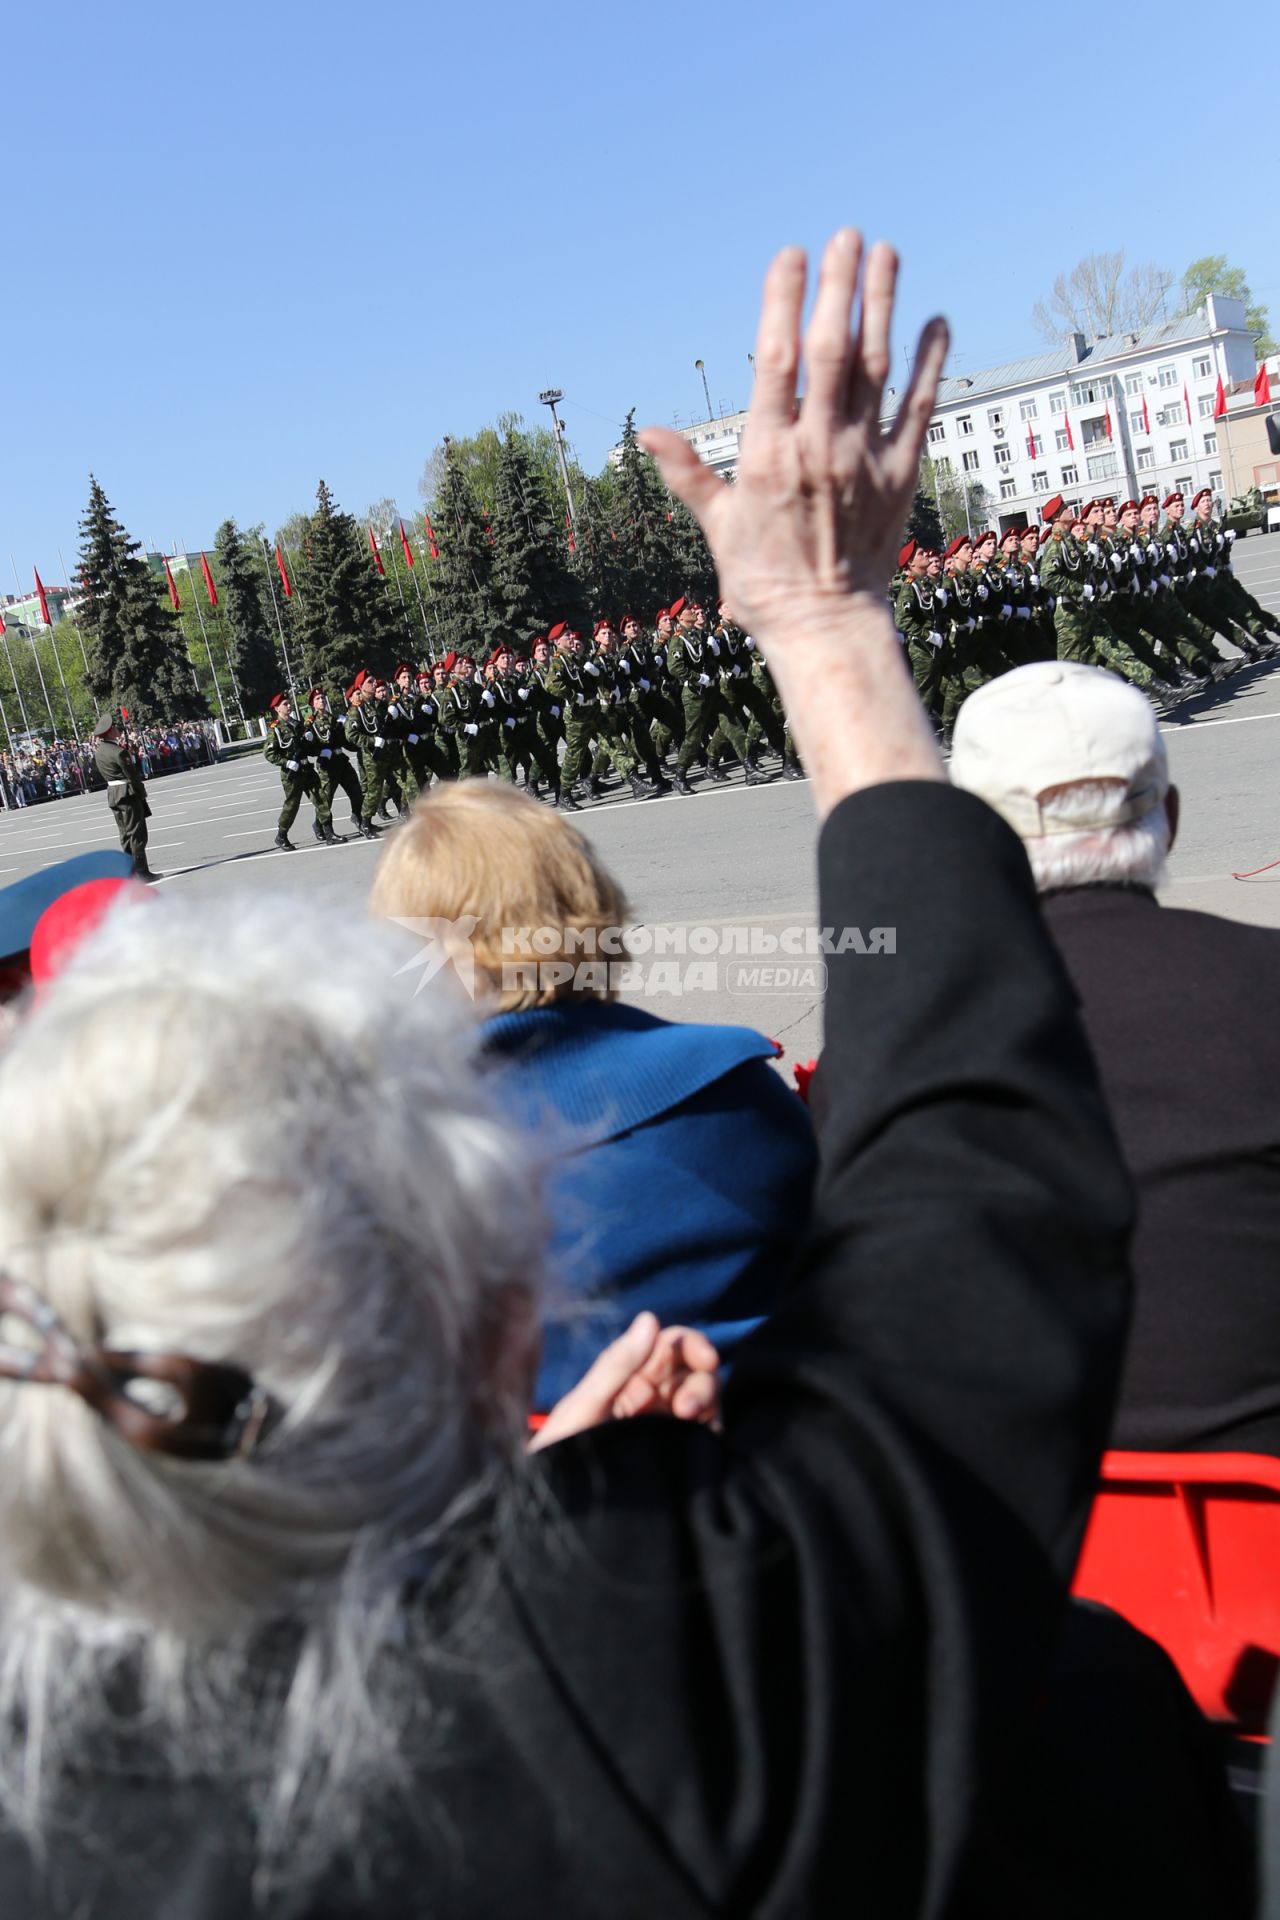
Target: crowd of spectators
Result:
[298, 1617]
[35, 772]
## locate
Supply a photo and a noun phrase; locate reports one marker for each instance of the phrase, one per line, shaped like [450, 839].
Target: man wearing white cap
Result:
[1073, 759]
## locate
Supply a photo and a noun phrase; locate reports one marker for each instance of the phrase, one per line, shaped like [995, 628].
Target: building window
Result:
[1008, 489]
[971, 460]
[964, 426]
[1103, 466]
[1004, 454]
[942, 467]
[1133, 383]
[1178, 450]
[1183, 483]
[1205, 404]
[937, 433]
[1039, 483]
[1145, 459]
[1061, 439]
[1168, 376]
[1070, 476]
[1092, 431]
[995, 418]
[1211, 443]
[1202, 368]
[1170, 416]
[1057, 403]
[1027, 408]
[1136, 423]
[1085, 392]
[1215, 481]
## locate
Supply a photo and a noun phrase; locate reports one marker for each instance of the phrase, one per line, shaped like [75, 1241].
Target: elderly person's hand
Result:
[804, 543]
[647, 1369]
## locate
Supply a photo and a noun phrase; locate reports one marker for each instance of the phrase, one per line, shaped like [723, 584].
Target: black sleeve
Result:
[802, 1644]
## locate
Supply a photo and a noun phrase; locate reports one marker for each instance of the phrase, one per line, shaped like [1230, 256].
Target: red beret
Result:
[1028, 529]
[1205, 493]
[1127, 506]
[1051, 509]
[982, 538]
[423, 673]
[277, 700]
[906, 554]
[560, 628]
[628, 620]
[402, 667]
[677, 606]
[312, 692]
[1148, 500]
[1046, 535]
[449, 662]
[961, 540]
[1171, 497]
[1011, 533]
[602, 626]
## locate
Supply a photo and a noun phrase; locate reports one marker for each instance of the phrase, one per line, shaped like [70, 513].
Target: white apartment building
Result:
[1132, 413]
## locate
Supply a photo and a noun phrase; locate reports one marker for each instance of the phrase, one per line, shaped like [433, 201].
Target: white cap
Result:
[1031, 732]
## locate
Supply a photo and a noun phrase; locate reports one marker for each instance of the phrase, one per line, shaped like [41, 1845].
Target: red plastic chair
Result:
[1187, 1547]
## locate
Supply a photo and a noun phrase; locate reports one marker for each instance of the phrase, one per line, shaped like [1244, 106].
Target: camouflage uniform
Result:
[289, 749]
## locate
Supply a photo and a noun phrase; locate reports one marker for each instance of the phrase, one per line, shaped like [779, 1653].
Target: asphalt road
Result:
[734, 857]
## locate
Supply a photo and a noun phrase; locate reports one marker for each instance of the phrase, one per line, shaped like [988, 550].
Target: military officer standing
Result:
[126, 792]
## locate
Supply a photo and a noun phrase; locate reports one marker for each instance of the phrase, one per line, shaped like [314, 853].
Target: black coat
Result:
[1179, 1007]
[769, 1673]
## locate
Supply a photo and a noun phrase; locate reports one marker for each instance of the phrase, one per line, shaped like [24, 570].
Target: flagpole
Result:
[404, 611]
[267, 558]
[53, 725]
[75, 625]
[195, 595]
[413, 575]
[53, 641]
[22, 705]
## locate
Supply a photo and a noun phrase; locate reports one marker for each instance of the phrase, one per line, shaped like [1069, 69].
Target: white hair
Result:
[1130, 853]
[249, 1142]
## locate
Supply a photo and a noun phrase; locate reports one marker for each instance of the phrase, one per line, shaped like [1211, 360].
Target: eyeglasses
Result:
[215, 1411]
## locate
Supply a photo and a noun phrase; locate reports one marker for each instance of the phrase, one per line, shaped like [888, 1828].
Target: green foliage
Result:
[1211, 274]
[531, 581]
[941, 485]
[923, 524]
[341, 619]
[253, 660]
[136, 656]
[461, 609]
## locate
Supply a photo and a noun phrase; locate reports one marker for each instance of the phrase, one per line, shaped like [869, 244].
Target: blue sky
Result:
[254, 245]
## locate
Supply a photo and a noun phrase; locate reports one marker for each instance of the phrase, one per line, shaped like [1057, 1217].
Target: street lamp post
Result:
[705, 388]
[549, 398]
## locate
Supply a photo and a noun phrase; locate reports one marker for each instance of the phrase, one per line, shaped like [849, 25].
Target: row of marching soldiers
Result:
[558, 720]
[1109, 585]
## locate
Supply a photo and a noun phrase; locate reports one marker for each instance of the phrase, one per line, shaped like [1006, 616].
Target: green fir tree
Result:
[252, 651]
[461, 604]
[137, 661]
[532, 583]
[647, 560]
[341, 616]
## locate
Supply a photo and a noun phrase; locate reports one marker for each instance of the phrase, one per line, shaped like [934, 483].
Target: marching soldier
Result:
[427, 753]
[918, 618]
[550, 714]
[1213, 545]
[328, 737]
[516, 717]
[363, 727]
[466, 718]
[653, 716]
[612, 723]
[759, 714]
[574, 694]
[693, 659]
[288, 749]
[1193, 582]
[126, 792]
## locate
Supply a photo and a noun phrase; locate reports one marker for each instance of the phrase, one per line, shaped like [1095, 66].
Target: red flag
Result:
[569, 531]
[1219, 401]
[404, 542]
[489, 530]
[1108, 423]
[377, 557]
[1066, 420]
[1, 625]
[1186, 401]
[208, 581]
[284, 578]
[173, 591]
[1031, 442]
[1262, 389]
[431, 538]
[124, 713]
[44, 604]
[1146, 417]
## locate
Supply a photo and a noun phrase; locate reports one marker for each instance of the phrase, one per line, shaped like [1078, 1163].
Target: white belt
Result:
[119, 783]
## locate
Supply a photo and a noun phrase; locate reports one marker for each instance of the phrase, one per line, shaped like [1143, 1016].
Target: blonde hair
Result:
[479, 849]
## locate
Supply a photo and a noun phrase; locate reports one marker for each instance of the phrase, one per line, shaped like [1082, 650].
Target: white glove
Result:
[1135, 554]
[704, 679]
[747, 641]
[487, 696]
[714, 645]
[1165, 580]
[644, 686]
[394, 710]
[1191, 573]
[1211, 573]
[737, 673]
[1034, 578]
[624, 665]
[1024, 613]
[1117, 563]
[982, 592]
[555, 713]
[378, 740]
[589, 666]
[1150, 589]
[1093, 550]
[326, 753]
[940, 595]
[659, 661]
[308, 735]
[970, 624]
[471, 727]
[522, 693]
[1087, 591]
[1006, 611]
[510, 721]
[413, 739]
[292, 765]
[1230, 534]
[935, 639]
[580, 699]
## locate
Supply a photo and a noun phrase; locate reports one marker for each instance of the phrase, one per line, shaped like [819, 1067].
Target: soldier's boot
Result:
[367, 830]
[318, 831]
[753, 777]
[141, 871]
[716, 772]
[657, 778]
[328, 836]
[792, 771]
[566, 802]
[680, 784]
[285, 844]
[597, 787]
[640, 788]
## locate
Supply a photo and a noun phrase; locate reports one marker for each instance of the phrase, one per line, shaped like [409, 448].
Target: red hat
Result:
[907, 554]
[1170, 498]
[961, 540]
[1029, 529]
[1127, 506]
[401, 667]
[989, 534]
[276, 701]
[450, 661]
[538, 640]
[602, 626]
[1046, 534]
[423, 673]
[71, 918]
[312, 692]
[1148, 500]
[1051, 509]
[357, 683]
[1011, 533]
[1205, 493]
[676, 607]
[663, 613]
[557, 632]
[628, 620]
